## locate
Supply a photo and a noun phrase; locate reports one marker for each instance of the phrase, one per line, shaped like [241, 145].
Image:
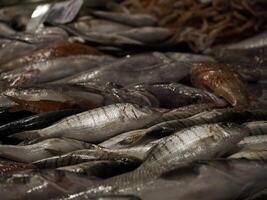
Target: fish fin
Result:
[26, 135]
[53, 152]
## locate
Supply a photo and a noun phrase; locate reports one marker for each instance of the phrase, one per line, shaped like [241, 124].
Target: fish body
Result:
[40, 150]
[99, 124]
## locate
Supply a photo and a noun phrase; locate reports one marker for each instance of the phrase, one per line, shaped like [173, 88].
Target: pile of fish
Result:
[97, 101]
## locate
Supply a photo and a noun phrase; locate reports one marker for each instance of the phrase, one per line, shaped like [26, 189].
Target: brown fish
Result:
[59, 50]
[223, 81]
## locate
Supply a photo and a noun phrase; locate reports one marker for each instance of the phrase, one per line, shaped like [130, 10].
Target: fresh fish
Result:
[88, 24]
[41, 184]
[126, 71]
[59, 50]
[94, 153]
[189, 57]
[52, 98]
[257, 41]
[22, 45]
[253, 154]
[40, 150]
[177, 95]
[223, 81]
[10, 166]
[100, 168]
[197, 143]
[256, 127]
[53, 69]
[98, 124]
[147, 35]
[7, 116]
[136, 20]
[251, 140]
[35, 122]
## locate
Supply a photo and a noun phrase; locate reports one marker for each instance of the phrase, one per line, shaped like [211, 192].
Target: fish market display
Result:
[133, 100]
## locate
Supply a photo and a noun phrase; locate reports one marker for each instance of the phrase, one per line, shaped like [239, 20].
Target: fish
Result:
[7, 166]
[253, 154]
[101, 168]
[126, 72]
[50, 98]
[7, 115]
[176, 95]
[40, 150]
[35, 122]
[197, 143]
[93, 153]
[251, 140]
[41, 72]
[222, 81]
[63, 49]
[41, 184]
[147, 35]
[98, 124]
[22, 45]
[135, 20]
[256, 127]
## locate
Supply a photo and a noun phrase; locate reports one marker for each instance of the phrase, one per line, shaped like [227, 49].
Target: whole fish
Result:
[35, 122]
[53, 97]
[223, 81]
[53, 69]
[58, 50]
[94, 153]
[197, 143]
[177, 95]
[40, 150]
[98, 124]
[136, 20]
[100, 168]
[126, 71]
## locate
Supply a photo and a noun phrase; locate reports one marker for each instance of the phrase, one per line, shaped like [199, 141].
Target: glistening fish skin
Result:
[197, 143]
[40, 150]
[99, 124]
[35, 122]
[54, 69]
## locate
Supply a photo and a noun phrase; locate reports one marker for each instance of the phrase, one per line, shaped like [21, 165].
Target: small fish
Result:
[176, 95]
[223, 81]
[92, 153]
[251, 140]
[98, 124]
[126, 71]
[196, 143]
[49, 98]
[53, 69]
[136, 20]
[59, 50]
[147, 35]
[100, 168]
[35, 122]
[10, 166]
[40, 150]
[250, 155]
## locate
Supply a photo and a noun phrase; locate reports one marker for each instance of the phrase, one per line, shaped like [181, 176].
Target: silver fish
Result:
[53, 69]
[249, 154]
[98, 124]
[197, 143]
[43, 149]
[137, 20]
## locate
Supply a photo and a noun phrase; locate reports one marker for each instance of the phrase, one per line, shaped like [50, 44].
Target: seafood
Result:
[256, 127]
[200, 142]
[223, 81]
[98, 124]
[10, 166]
[41, 72]
[35, 122]
[40, 150]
